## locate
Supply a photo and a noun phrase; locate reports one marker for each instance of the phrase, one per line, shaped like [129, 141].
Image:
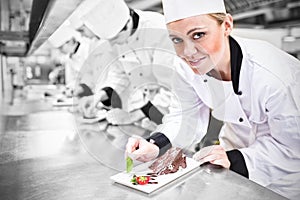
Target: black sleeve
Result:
[114, 99]
[152, 113]
[86, 90]
[161, 141]
[237, 162]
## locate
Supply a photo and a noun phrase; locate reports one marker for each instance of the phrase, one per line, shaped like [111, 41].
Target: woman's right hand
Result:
[140, 149]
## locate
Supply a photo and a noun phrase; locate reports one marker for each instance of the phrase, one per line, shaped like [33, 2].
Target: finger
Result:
[148, 156]
[113, 121]
[222, 162]
[83, 104]
[132, 156]
[143, 155]
[111, 117]
[132, 144]
[87, 104]
[86, 112]
[210, 158]
[217, 148]
[217, 152]
[137, 154]
[79, 106]
[91, 111]
[203, 153]
[98, 104]
[217, 159]
[143, 159]
[197, 157]
[108, 119]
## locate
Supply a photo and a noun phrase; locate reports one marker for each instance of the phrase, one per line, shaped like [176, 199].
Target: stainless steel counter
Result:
[46, 153]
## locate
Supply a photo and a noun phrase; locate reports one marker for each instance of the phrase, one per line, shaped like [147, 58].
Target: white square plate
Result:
[64, 102]
[140, 170]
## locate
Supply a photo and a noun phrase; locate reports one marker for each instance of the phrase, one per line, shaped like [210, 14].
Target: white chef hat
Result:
[107, 18]
[75, 18]
[75, 22]
[62, 35]
[179, 9]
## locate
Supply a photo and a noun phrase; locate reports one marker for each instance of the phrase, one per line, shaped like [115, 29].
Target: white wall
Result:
[273, 36]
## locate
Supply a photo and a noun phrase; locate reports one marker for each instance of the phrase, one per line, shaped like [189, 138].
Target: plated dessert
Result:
[152, 176]
[170, 162]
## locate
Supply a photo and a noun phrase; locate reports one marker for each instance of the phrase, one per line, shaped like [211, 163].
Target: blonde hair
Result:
[219, 17]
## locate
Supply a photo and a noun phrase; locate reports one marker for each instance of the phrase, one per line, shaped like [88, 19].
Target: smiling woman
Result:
[205, 35]
[233, 79]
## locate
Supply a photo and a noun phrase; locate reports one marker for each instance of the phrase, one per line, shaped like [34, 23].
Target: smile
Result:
[196, 62]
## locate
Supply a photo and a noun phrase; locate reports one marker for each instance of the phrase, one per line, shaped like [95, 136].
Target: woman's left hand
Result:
[214, 154]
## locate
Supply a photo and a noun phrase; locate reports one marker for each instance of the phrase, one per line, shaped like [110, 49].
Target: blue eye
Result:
[198, 35]
[176, 40]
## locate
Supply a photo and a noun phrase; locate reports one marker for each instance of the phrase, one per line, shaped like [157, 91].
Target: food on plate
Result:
[170, 162]
[142, 180]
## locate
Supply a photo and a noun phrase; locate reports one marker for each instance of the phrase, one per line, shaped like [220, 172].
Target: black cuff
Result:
[152, 113]
[237, 162]
[161, 141]
[113, 98]
[86, 90]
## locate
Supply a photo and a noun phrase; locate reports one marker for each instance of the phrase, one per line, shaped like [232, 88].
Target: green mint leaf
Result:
[129, 164]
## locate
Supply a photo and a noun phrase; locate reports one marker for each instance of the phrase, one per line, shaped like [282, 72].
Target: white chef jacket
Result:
[74, 63]
[145, 58]
[263, 122]
[93, 67]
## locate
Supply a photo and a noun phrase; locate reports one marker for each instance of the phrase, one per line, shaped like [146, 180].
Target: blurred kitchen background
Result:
[26, 25]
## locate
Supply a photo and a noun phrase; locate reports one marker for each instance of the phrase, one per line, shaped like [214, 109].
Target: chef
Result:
[138, 51]
[74, 49]
[250, 85]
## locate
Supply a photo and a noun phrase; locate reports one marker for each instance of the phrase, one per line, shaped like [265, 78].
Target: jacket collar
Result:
[135, 19]
[236, 57]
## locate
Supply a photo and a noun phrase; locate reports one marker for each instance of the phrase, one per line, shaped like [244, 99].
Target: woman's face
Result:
[123, 35]
[86, 32]
[68, 47]
[201, 42]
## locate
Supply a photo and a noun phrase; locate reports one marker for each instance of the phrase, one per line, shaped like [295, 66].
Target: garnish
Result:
[142, 180]
[129, 164]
